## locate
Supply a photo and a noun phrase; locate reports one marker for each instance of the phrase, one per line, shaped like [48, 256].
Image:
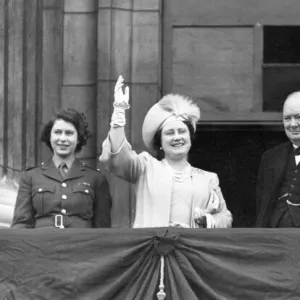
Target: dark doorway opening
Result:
[234, 152]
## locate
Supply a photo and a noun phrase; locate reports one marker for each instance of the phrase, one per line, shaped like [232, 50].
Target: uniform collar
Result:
[50, 170]
[57, 161]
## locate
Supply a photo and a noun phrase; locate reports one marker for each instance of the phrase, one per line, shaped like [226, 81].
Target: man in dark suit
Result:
[278, 182]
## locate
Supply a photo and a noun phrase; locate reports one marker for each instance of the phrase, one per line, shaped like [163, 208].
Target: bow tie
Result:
[297, 151]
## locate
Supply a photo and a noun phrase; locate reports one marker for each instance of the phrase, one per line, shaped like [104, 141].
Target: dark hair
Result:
[72, 116]
[157, 140]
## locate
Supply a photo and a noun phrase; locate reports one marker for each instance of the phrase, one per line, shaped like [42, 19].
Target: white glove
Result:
[210, 221]
[120, 104]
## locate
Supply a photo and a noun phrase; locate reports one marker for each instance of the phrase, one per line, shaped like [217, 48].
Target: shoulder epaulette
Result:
[86, 166]
[30, 168]
[33, 167]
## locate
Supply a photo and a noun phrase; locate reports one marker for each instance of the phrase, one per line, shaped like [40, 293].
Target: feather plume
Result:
[181, 106]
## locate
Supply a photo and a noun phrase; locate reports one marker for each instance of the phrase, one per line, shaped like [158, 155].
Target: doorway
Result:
[234, 153]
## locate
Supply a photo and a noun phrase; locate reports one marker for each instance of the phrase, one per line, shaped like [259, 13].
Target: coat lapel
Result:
[76, 170]
[201, 193]
[281, 160]
[49, 170]
[163, 196]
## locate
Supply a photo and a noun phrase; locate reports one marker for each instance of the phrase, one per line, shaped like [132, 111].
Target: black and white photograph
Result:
[149, 149]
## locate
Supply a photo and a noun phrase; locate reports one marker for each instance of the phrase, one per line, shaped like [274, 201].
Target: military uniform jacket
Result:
[83, 197]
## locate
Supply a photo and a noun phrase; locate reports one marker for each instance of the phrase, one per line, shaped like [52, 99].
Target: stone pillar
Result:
[128, 45]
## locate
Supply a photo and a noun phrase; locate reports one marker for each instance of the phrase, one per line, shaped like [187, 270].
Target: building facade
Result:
[238, 59]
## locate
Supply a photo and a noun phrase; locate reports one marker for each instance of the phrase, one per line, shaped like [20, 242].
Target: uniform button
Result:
[63, 211]
[40, 189]
[64, 184]
[64, 197]
[86, 191]
[292, 186]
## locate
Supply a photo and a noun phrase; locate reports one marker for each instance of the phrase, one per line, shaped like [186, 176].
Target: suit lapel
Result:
[279, 167]
[281, 160]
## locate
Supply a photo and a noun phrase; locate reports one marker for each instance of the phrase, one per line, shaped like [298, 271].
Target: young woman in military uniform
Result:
[63, 192]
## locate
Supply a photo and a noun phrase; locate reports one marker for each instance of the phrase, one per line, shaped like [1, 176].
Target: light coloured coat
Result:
[153, 187]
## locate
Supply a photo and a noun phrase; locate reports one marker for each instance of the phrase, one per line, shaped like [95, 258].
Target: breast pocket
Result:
[40, 196]
[83, 201]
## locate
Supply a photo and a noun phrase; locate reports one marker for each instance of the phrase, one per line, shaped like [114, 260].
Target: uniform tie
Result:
[63, 170]
[297, 151]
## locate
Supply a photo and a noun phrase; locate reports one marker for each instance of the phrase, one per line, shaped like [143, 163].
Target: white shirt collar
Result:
[297, 158]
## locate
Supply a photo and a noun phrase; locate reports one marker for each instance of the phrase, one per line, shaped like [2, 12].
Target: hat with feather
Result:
[170, 108]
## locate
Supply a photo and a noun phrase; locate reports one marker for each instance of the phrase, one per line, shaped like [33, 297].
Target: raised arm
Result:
[117, 154]
[118, 119]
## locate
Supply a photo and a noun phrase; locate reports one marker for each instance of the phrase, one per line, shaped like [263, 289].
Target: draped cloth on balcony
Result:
[124, 264]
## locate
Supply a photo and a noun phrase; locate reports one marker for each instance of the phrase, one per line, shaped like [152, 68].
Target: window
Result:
[281, 65]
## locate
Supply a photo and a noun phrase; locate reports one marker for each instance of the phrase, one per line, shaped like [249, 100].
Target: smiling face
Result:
[175, 140]
[291, 118]
[63, 139]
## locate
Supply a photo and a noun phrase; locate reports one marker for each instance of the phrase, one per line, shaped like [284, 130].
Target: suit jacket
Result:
[82, 196]
[271, 172]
